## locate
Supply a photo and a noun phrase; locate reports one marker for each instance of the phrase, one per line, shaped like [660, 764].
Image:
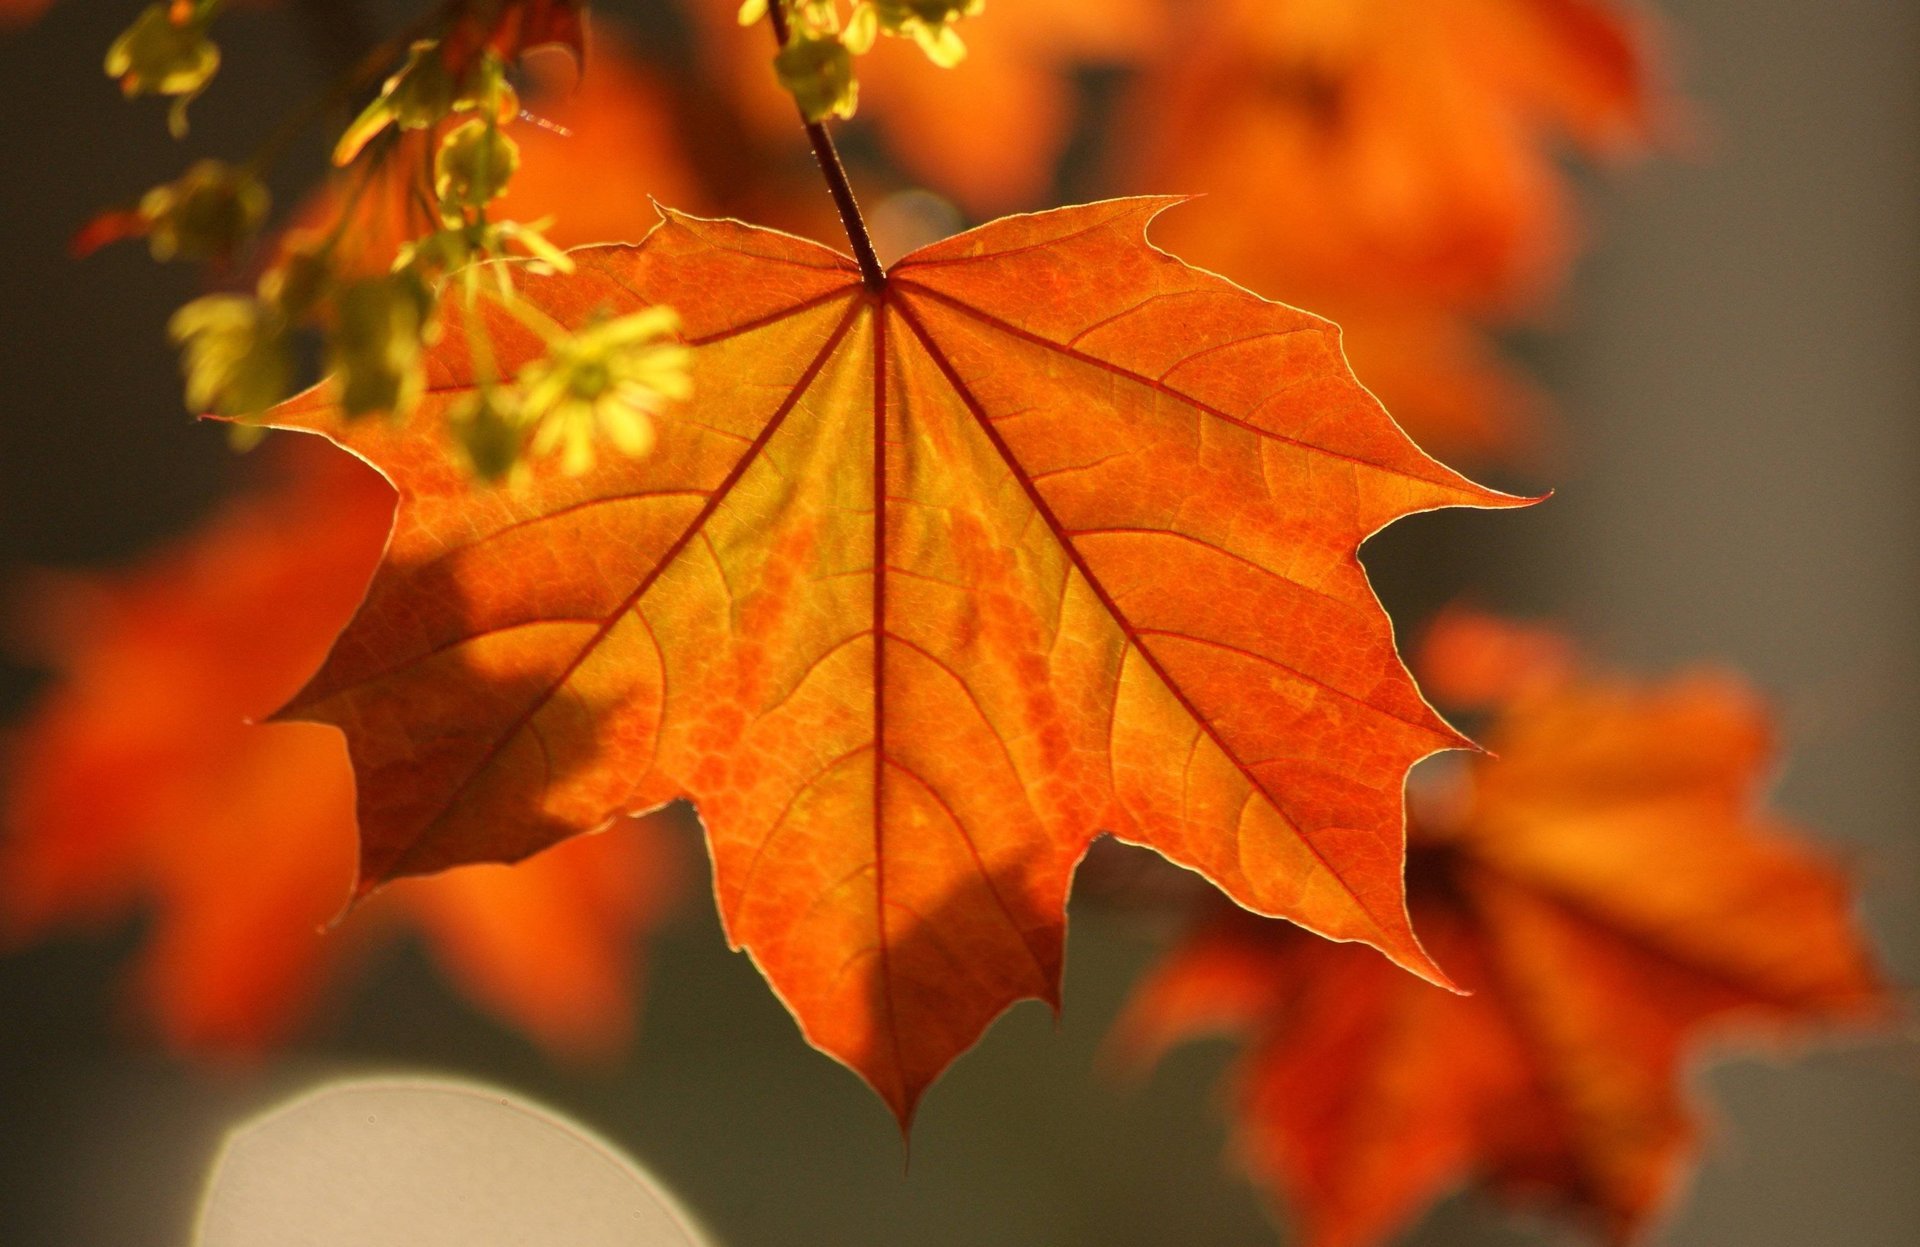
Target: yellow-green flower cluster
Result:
[818, 71]
[237, 351]
[473, 163]
[599, 383]
[603, 381]
[816, 64]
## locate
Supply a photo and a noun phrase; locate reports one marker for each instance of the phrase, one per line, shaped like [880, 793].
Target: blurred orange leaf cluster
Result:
[1395, 165]
[1613, 889]
[141, 784]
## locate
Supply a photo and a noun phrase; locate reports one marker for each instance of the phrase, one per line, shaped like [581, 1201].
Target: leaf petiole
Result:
[872, 273]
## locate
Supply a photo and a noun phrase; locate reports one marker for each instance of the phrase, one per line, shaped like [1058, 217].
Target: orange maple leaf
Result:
[1613, 891]
[138, 780]
[924, 588]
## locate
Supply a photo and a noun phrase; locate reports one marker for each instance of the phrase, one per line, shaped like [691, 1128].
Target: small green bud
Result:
[819, 73]
[204, 215]
[474, 164]
[166, 52]
[424, 90]
[488, 428]
[485, 90]
[234, 354]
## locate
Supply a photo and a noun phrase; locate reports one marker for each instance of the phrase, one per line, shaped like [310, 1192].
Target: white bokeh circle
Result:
[415, 1162]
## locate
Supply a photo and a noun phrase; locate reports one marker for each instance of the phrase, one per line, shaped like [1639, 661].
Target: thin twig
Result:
[872, 272]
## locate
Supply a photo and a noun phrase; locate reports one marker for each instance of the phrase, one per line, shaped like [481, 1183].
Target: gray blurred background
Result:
[1737, 364]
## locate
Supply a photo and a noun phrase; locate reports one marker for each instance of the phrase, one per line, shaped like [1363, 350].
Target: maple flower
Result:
[205, 214]
[604, 379]
[928, 23]
[456, 246]
[1609, 886]
[446, 250]
[301, 278]
[166, 52]
[234, 354]
[816, 63]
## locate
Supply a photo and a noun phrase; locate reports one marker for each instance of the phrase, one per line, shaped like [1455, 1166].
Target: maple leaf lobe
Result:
[918, 593]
